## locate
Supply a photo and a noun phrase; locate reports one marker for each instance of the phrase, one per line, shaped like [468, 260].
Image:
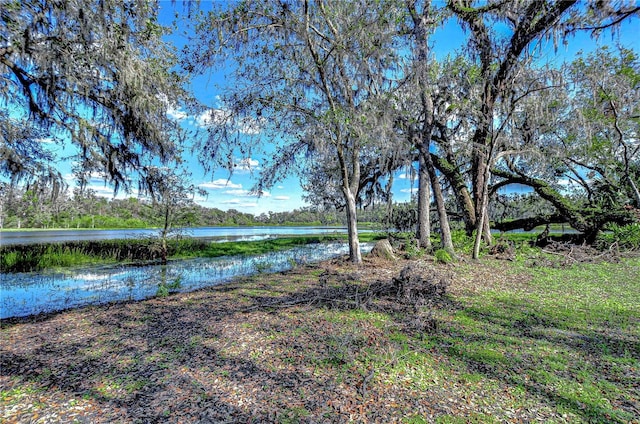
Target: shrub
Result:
[8, 260]
[165, 288]
[409, 245]
[627, 236]
[443, 256]
[462, 242]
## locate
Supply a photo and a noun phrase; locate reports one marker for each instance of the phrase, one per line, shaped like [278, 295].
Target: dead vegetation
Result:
[322, 343]
[564, 254]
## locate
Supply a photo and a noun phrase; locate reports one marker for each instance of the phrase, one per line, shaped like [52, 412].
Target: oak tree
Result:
[95, 73]
[309, 73]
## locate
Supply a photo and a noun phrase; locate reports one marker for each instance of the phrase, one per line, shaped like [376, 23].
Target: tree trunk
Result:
[482, 202]
[352, 227]
[164, 234]
[350, 182]
[479, 169]
[528, 224]
[426, 170]
[423, 231]
[486, 227]
[634, 188]
[459, 187]
[445, 230]
[482, 209]
[389, 206]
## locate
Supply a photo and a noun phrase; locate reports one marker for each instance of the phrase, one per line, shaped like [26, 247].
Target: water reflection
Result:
[23, 294]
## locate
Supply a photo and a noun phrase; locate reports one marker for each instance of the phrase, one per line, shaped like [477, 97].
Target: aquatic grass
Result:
[57, 256]
[52, 256]
[9, 260]
[261, 246]
[165, 288]
[40, 256]
[37, 257]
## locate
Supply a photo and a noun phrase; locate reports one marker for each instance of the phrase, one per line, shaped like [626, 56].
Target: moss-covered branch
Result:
[586, 220]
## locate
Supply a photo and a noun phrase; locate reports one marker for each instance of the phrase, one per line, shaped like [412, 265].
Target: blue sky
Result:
[232, 192]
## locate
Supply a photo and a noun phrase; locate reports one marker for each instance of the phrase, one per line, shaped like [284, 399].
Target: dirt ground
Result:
[270, 348]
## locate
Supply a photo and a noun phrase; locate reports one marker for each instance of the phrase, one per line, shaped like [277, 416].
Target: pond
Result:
[23, 294]
[217, 233]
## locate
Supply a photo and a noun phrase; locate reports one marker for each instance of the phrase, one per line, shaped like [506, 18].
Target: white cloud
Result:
[246, 164]
[281, 198]
[176, 114]
[247, 193]
[240, 203]
[93, 177]
[280, 187]
[237, 192]
[212, 117]
[407, 190]
[220, 184]
[45, 140]
[103, 191]
[201, 199]
[172, 110]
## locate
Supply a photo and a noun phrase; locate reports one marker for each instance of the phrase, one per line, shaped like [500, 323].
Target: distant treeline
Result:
[39, 209]
[29, 209]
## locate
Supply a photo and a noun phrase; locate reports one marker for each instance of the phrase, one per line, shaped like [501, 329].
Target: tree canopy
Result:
[94, 72]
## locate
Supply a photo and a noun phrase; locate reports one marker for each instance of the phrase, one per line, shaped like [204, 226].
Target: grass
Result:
[264, 246]
[53, 256]
[567, 345]
[512, 343]
[562, 341]
[37, 257]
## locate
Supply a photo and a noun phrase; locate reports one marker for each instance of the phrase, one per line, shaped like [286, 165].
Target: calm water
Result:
[23, 294]
[220, 233]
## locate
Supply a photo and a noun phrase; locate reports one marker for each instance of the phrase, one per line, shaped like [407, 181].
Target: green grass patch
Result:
[355, 316]
[566, 344]
[10, 396]
[474, 418]
[37, 257]
[568, 340]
